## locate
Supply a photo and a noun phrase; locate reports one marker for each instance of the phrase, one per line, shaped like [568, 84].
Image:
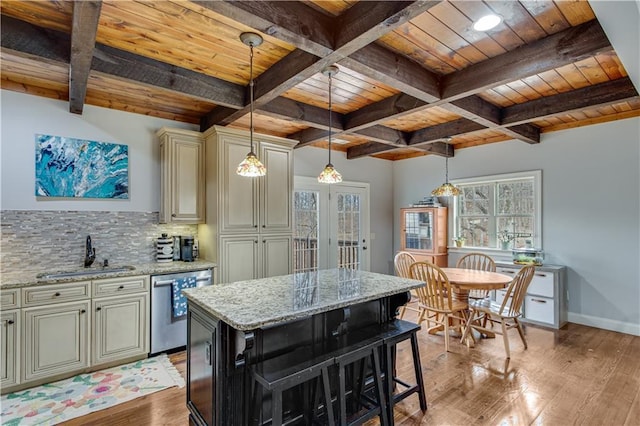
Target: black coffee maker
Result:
[186, 248]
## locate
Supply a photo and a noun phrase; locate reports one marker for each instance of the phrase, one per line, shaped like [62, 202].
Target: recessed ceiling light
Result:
[487, 22]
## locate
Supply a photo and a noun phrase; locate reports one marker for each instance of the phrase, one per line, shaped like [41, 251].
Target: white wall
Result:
[24, 115]
[310, 161]
[590, 204]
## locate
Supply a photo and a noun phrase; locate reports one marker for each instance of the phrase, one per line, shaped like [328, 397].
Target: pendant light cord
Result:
[251, 96]
[330, 118]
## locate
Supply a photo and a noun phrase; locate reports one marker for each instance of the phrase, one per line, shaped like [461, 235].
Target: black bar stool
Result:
[365, 346]
[286, 371]
[396, 332]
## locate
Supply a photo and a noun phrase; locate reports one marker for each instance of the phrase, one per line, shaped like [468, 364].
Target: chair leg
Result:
[505, 337]
[327, 396]
[276, 412]
[417, 365]
[384, 419]
[467, 327]
[521, 331]
[446, 333]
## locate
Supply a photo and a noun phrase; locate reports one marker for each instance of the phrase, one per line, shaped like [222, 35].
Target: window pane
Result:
[474, 200]
[475, 231]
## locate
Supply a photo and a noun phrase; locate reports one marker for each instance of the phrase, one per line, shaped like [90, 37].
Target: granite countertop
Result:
[248, 305]
[30, 278]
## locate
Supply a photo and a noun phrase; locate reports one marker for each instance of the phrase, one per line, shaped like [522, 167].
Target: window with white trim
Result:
[500, 211]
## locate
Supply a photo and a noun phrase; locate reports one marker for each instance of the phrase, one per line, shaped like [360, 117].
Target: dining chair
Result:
[505, 313]
[402, 262]
[479, 262]
[435, 299]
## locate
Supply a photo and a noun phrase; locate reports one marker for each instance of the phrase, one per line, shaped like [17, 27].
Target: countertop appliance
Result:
[168, 332]
[186, 249]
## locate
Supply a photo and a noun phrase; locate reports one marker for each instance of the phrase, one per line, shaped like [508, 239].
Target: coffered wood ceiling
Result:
[412, 73]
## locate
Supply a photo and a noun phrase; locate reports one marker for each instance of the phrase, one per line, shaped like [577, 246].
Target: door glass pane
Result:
[305, 238]
[419, 230]
[349, 240]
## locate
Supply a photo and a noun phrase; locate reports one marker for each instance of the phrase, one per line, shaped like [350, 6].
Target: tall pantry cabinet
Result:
[249, 222]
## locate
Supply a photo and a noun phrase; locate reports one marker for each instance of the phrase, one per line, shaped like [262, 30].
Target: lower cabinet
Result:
[248, 257]
[10, 355]
[545, 301]
[56, 339]
[65, 329]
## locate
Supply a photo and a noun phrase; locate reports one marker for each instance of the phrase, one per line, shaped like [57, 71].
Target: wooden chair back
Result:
[402, 263]
[436, 293]
[477, 261]
[512, 303]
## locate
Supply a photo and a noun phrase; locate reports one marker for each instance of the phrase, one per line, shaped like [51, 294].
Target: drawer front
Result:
[540, 309]
[507, 271]
[42, 295]
[123, 285]
[9, 299]
[541, 284]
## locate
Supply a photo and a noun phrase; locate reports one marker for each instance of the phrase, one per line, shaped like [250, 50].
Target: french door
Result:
[331, 225]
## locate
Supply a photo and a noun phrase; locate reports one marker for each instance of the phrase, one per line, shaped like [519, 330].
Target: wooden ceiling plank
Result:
[546, 14]
[373, 114]
[554, 51]
[601, 94]
[611, 65]
[86, 15]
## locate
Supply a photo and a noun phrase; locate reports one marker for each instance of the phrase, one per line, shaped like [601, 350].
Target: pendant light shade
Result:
[446, 189]
[330, 174]
[251, 166]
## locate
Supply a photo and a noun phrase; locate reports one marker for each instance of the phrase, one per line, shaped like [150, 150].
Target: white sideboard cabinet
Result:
[546, 300]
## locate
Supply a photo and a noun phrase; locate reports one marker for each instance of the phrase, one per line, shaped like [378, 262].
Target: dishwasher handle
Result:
[167, 283]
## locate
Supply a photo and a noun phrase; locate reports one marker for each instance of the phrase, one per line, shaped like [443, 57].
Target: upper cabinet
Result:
[182, 194]
[423, 232]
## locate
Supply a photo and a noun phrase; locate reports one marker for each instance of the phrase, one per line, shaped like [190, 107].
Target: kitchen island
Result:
[234, 326]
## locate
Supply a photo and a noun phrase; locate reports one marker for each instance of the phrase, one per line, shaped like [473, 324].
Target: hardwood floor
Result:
[577, 375]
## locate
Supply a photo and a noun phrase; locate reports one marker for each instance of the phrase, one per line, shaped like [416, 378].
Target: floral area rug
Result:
[59, 401]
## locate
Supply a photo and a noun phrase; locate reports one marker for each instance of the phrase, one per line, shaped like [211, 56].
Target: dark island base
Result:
[219, 358]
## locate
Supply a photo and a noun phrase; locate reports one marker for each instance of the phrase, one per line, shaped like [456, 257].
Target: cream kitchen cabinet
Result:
[120, 319]
[10, 355]
[268, 256]
[181, 176]
[545, 302]
[249, 225]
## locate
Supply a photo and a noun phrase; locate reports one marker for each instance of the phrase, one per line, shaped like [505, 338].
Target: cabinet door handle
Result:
[57, 294]
[508, 272]
[255, 226]
[121, 287]
[255, 241]
[98, 308]
[207, 353]
[541, 275]
[264, 226]
[538, 300]
[264, 241]
[82, 311]
[10, 322]
[173, 215]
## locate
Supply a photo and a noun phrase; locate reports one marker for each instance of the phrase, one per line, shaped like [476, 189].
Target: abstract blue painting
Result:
[68, 167]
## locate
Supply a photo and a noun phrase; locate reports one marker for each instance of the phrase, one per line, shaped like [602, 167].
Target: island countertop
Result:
[253, 304]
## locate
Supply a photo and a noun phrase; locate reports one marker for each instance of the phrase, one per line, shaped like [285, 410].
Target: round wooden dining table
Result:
[463, 280]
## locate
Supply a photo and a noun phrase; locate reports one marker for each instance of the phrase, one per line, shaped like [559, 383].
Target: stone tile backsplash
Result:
[55, 240]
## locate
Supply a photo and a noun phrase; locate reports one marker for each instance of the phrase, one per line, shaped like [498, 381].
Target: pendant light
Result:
[446, 189]
[251, 166]
[330, 174]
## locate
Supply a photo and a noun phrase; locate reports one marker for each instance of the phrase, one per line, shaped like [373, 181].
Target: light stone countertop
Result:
[30, 278]
[248, 305]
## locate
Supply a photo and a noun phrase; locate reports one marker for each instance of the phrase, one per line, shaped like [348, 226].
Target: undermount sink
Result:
[85, 273]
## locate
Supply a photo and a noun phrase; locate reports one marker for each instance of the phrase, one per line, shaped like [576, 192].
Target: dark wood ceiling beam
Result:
[394, 106]
[482, 112]
[365, 22]
[443, 131]
[395, 70]
[288, 109]
[84, 27]
[602, 94]
[385, 135]
[293, 22]
[23, 37]
[567, 46]
[371, 148]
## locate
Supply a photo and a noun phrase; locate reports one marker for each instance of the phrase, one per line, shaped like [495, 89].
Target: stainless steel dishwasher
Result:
[168, 332]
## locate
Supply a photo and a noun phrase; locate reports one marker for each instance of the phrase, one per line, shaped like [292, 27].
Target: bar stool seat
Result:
[292, 369]
[396, 332]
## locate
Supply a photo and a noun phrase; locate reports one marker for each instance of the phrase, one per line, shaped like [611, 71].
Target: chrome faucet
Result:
[90, 255]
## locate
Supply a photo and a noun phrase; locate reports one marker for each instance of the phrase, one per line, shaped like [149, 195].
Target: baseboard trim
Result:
[604, 323]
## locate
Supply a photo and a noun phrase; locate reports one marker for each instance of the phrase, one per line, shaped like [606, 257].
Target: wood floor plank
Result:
[577, 375]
